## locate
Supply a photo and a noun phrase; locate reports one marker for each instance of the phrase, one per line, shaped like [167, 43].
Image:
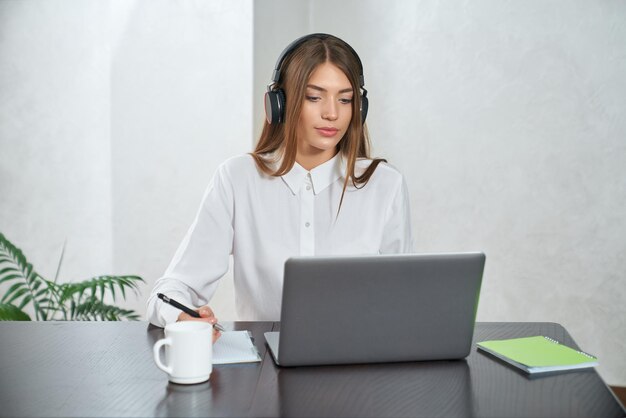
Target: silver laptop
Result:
[383, 308]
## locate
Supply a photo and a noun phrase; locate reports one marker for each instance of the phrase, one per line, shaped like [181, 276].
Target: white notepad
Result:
[235, 347]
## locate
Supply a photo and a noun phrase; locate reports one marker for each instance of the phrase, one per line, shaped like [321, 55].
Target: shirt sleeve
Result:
[202, 257]
[397, 236]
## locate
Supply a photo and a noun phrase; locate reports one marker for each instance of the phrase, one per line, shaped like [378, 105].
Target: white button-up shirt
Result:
[263, 220]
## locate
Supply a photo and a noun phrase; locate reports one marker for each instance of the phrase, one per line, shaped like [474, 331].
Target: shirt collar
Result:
[322, 176]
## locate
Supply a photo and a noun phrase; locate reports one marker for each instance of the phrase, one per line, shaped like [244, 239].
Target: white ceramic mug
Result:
[188, 352]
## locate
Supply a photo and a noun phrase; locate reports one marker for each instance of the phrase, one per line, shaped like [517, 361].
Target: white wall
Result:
[506, 118]
[113, 117]
[55, 161]
[181, 101]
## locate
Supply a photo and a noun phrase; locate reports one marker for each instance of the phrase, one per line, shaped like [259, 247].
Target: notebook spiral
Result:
[578, 351]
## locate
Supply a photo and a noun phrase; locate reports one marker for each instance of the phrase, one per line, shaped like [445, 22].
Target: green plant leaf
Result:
[28, 271]
[37, 285]
[112, 289]
[102, 286]
[10, 277]
[123, 292]
[9, 312]
[8, 269]
[17, 295]
[81, 300]
[15, 288]
[99, 282]
[94, 309]
[40, 293]
[14, 261]
[25, 301]
[33, 277]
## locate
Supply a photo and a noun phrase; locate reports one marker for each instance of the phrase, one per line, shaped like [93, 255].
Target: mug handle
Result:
[157, 358]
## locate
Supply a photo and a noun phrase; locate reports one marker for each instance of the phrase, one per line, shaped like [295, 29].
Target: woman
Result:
[309, 188]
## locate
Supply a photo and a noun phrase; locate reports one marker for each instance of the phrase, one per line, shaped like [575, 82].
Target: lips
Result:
[327, 131]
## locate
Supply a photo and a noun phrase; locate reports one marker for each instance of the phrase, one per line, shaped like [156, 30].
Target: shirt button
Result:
[308, 187]
[307, 224]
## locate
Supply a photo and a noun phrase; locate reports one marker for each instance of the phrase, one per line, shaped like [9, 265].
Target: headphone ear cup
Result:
[364, 106]
[280, 98]
[274, 106]
[270, 107]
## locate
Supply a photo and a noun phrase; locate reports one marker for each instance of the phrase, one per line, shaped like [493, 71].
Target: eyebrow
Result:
[314, 87]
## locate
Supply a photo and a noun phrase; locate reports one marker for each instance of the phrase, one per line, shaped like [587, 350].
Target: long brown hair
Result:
[280, 139]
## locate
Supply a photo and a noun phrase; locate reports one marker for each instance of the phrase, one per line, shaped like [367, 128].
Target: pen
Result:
[185, 309]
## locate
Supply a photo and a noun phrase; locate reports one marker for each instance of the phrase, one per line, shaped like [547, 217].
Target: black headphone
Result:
[275, 98]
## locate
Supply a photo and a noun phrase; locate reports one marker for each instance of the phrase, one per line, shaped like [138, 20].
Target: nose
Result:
[330, 110]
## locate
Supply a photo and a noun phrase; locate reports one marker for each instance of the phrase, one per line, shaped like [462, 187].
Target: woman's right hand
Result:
[206, 315]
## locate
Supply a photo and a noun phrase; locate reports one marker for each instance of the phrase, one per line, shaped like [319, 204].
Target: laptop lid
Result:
[382, 308]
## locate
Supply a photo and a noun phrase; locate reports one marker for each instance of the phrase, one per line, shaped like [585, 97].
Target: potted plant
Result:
[76, 301]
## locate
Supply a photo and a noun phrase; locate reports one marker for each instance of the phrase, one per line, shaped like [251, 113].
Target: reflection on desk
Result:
[439, 388]
[186, 400]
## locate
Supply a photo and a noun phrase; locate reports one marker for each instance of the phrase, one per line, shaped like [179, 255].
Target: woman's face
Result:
[326, 113]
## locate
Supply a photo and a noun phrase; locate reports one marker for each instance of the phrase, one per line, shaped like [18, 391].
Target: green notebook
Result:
[538, 354]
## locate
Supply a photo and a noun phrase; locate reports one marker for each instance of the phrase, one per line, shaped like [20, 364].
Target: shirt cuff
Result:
[168, 314]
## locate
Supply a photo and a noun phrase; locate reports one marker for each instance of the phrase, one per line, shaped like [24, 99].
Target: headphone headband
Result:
[294, 44]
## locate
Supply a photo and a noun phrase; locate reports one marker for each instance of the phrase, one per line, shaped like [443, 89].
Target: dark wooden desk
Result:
[88, 369]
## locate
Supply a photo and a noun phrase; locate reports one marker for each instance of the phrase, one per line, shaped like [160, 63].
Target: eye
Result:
[345, 101]
[312, 98]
